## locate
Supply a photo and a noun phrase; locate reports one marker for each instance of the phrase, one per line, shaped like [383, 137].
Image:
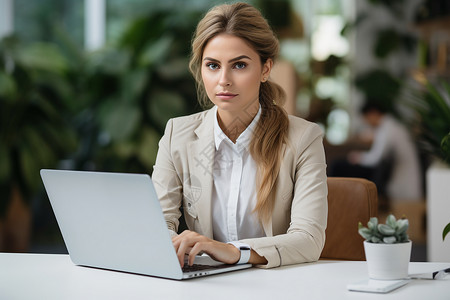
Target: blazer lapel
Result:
[201, 158]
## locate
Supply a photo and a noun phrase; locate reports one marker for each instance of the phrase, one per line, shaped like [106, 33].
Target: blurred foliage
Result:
[395, 7]
[371, 81]
[34, 108]
[433, 108]
[379, 82]
[104, 110]
[35, 21]
[133, 87]
[390, 40]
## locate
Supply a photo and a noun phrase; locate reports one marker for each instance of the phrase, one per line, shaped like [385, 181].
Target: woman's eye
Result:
[240, 65]
[212, 66]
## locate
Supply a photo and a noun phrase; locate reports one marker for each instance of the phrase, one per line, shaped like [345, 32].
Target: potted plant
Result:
[432, 106]
[387, 248]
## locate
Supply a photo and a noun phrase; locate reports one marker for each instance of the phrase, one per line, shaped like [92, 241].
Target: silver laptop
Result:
[114, 221]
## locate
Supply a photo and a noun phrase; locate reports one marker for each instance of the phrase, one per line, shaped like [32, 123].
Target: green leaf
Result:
[120, 119]
[439, 101]
[445, 147]
[365, 233]
[373, 223]
[134, 83]
[402, 225]
[391, 221]
[156, 51]
[385, 229]
[389, 239]
[109, 61]
[43, 154]
[42, 56]
[446, 231]
[8, 87]
[165, 105]
[401, 238]
[375, 239]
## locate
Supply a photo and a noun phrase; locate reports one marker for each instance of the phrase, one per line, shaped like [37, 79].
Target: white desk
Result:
[43, 276]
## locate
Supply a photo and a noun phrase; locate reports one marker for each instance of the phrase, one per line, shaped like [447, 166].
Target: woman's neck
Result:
[232, 124]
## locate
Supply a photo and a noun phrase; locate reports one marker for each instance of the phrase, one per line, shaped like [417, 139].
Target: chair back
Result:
[350, 200]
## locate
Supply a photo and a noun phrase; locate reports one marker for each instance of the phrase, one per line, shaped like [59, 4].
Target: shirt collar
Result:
[243, 140]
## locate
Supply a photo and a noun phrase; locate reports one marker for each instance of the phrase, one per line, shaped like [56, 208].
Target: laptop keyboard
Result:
[198, 267]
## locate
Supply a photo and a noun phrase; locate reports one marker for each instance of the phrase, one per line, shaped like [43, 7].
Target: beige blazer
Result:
[183, 176]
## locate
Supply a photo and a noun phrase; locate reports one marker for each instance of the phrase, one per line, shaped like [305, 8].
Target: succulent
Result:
[394, 231]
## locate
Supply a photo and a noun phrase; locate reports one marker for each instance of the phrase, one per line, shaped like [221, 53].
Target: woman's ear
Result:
[267, 67]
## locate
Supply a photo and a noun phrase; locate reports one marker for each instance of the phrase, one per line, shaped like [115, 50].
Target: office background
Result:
[89, 85]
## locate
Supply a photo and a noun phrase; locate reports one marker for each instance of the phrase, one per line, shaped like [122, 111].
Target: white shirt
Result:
[234, 191]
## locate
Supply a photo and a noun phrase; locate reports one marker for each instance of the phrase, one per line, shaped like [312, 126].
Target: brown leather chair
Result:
[350, 200]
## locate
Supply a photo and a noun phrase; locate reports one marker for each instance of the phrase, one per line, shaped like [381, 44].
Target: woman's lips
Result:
[226, 96]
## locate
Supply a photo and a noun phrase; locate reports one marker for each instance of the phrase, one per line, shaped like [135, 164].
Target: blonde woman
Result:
[250, 179]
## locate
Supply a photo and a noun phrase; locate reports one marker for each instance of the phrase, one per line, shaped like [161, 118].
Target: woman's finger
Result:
[184, 243]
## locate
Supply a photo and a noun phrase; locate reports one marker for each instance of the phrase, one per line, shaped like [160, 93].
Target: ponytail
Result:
[267, 144]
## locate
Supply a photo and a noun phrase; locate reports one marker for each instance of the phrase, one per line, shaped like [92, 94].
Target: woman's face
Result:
[232, 74]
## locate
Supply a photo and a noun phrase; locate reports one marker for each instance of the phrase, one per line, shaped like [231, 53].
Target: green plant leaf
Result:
[433, 108]
[42, 56]
[8, 87]
[109, 61]
[120, 119]
[375, 239]
[445, 231]
[365, 233]
[439, 100]
[389, 239]
[445, 147]
[165, 105]
[402, 226]
[385, 229]
[391, 221]
[373, 223]
[156, 51]
[134, 83]
[403, 237]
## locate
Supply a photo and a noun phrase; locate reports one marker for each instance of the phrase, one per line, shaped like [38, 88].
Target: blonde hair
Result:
[246, 22]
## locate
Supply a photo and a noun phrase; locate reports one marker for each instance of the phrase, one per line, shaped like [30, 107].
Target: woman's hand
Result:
[192, 243]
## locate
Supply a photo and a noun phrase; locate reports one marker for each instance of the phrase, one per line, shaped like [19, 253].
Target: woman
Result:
[248, 176]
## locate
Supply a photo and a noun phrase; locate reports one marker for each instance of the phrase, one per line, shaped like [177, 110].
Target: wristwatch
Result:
[245, 251]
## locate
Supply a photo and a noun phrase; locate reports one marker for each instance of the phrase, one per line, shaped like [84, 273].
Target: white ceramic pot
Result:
[388, 261]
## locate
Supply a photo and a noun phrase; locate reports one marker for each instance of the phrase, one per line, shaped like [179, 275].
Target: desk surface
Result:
[44, 276]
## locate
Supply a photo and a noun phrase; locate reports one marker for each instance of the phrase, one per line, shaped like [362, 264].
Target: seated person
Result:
[244, 171]
[392, 161]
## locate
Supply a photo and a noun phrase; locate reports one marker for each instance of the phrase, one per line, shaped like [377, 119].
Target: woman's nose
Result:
[224, 79]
